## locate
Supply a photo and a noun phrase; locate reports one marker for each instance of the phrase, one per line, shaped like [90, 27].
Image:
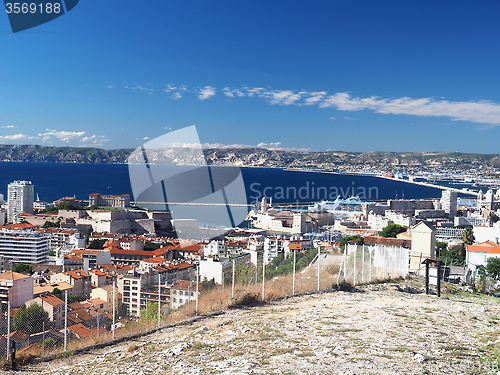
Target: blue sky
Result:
[315, 75]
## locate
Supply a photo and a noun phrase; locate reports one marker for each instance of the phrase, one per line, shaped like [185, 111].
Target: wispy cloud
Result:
[63, 135]
[15, 137]
[8, 127]
[206, 92]
[482, 112]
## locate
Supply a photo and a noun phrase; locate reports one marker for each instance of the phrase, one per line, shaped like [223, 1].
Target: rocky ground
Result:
[378, 329]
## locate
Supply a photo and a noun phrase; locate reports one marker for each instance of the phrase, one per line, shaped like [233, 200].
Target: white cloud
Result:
[61, 135]
[95, 140]
[8, 127]
[284, 97]
[314, 97]
[206, 92]
[350, 118]
[15, 137]
[233, 93]
[481, 112]
[139, 87]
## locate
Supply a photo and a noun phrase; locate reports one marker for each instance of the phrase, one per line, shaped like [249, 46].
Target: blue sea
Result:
[55, 180]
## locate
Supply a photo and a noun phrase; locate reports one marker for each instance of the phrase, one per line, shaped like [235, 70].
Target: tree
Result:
[23, 268]
[57, 293]
[152, 313]
[97, 244]
[68, 206]
[441, 248]
[29, 319]
[392, 230]
[468, 236]
[493, 267]
[345, 240]
[122, 311]
[49, 343]
[52, 224]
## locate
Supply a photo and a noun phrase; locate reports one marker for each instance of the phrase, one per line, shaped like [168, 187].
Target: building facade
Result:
[20, 198]
[24, 245]
[99, 200]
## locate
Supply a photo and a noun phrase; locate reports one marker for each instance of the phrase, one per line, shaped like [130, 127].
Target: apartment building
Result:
[20, 198]
[21, 243]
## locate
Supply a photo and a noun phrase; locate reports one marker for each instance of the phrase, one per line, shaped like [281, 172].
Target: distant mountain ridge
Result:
[259, 157]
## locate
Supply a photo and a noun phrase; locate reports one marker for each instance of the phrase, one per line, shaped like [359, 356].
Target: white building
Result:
[449, 202]
[20, 199]
[23, 245]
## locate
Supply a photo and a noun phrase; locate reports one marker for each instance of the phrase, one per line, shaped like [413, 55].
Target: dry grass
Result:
[131, 348]
[214, 300]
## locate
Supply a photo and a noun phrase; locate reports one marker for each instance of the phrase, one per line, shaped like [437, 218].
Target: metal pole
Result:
[222, 283]
[354, 276]
[114, 311]
[383, 264]
[197, 286]
[370, 252]
[319, 269]
[8, 330]
[65, 320]
[159, 300]
[363, 266]
[294, 257]
[263, 277]
[345, 264]
[147, 312]
[232, 288]
[43, 334]
[97, 322]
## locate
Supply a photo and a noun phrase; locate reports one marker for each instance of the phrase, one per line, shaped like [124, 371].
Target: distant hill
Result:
[328, 160]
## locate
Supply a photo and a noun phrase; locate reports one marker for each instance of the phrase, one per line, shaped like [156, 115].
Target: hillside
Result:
[375, 329]
[258, 157]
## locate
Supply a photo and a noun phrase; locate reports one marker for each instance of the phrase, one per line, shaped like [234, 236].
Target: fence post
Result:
[159, 300]
[319, 256]
[223, 284]
[65, 320]
[363, 266]
[232, 287]
[98, 322]
[8, 331]
[354, 275]
[147, 309]
[43, 334]
[114, 308]
[370, 263]
[263, 277]
[340, 271]
[383, 264]
[293, 285]
[345, 264]
[197, 286]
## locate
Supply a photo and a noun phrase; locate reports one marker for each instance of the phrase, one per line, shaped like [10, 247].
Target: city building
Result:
[184, 291]
[449, 202]
[21, 243]
[53, 306]
[477, 255]
[99, 200]
[20, 198]
[16, 288]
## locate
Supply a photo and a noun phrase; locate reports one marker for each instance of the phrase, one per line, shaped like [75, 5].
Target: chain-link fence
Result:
[66, 320]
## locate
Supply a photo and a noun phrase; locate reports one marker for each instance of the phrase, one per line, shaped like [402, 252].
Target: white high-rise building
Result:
[449, 202]
[20, 198]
